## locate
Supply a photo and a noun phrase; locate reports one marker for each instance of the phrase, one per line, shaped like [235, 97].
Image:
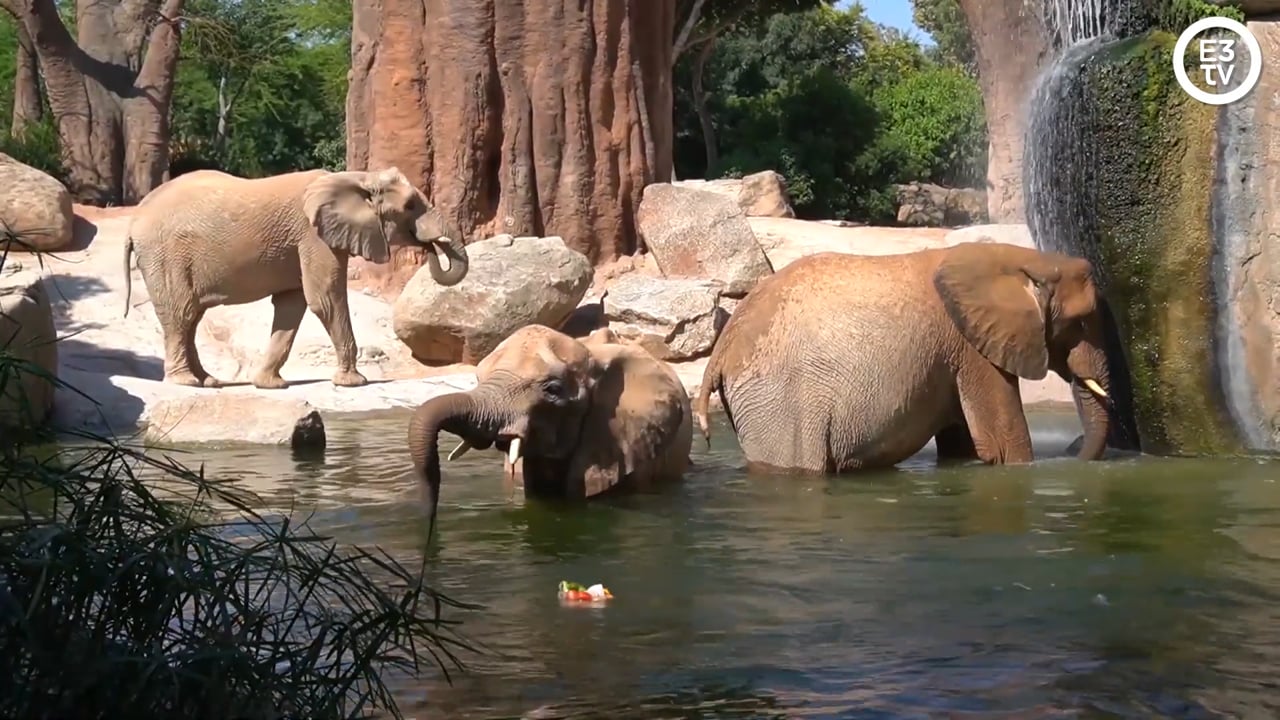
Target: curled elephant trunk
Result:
[440, 413]
[444, 241]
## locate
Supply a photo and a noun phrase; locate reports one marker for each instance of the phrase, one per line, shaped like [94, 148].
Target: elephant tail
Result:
[710, 383]
[128, 274]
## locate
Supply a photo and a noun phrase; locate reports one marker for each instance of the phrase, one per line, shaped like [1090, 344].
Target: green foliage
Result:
[841, 107]
[946, 24]
[132, 586]
[1176, 15]
[38, 147]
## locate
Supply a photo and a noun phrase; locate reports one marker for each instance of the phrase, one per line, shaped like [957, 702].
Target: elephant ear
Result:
[344, 210]
[997, 306]
[628, 424]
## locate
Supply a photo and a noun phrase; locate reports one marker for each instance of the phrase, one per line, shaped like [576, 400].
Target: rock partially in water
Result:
[27, 336]
[673, 319]
[512, 282]
[227, 417]
[1134, 159]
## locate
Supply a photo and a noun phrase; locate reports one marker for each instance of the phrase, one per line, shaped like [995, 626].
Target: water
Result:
[1135, 587]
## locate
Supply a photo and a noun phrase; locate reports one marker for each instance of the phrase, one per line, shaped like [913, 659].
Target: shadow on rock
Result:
[85, 357]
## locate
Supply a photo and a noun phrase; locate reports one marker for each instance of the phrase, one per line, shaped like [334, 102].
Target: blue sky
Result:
[896, 13]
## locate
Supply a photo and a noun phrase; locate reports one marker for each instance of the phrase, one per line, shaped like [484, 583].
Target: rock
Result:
[1013, 234]
[34, 208]
[761, 194]
[507, 130]
[27, 336]
[1010, 49]
[786, 240]
[673, 319]
[513, 282]
[928, 205]
[219, 417]
[702, 235]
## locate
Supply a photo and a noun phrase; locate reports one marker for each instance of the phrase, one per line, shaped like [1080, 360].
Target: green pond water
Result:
[1134, 587]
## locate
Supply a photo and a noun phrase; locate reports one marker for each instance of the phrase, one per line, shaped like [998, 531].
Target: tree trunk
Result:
[27, 107]
[109, 91]
[1011, 48]
[700, 105]
[541, 117]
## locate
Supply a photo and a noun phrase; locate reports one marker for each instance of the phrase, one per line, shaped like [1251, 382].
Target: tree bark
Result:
[541, 117]
[27, 106]
[700, 106]
[109, 90]
[1011, 49]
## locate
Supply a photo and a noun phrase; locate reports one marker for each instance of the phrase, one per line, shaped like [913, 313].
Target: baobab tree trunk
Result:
[1011, 47]
[529, 117]
[109, 91]
[27, 108]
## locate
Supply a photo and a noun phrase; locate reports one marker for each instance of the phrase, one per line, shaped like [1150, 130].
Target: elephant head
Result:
[579, 416]
[365, 213]
[1028, 312]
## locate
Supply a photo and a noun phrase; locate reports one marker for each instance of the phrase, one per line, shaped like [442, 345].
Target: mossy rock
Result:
[1135, 159]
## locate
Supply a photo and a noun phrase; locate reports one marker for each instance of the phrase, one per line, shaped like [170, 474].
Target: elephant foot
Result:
[211, 382]
[349, 378]
[183, 378]
[270, 382]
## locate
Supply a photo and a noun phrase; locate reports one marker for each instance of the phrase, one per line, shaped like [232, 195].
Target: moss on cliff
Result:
[1151, 149]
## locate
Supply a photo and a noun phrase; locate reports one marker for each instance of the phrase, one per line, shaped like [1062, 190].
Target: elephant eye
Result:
[554, 388]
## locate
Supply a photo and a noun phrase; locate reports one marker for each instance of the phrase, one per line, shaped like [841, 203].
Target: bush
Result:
[123, 593]
[934, 127]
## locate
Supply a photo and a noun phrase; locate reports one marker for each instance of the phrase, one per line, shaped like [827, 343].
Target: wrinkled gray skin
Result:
[844, 362]
[590, 416]
[208, 238]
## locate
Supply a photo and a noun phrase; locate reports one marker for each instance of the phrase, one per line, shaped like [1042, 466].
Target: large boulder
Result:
[761, 194]
[27, 338]
[512, 282]
[219, 418]
[35, 209]
[673, 318]
[929, 205]
[702, 235]
[1012, 233]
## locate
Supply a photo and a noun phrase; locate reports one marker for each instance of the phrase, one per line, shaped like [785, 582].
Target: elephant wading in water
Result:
[574, 418]
[844, 362]
[208, 238]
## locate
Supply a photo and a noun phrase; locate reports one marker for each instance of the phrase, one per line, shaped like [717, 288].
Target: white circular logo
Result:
[1217, 60]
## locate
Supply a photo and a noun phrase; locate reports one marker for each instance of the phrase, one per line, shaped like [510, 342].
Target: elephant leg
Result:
[327, 298]
[992, 407]
[179, 318]
[290, 306]
[193, 355]
[955, 443]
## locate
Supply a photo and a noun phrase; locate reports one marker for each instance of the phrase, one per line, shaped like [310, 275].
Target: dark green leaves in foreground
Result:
[131, 586]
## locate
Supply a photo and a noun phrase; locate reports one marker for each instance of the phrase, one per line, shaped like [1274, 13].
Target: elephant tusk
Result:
[513, 453]
[1094, 387]
[438, 248]
[462, 449]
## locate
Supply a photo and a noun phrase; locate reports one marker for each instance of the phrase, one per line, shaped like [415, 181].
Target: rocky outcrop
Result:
[35, 209]
[219, 418]
[674, 319]
[512, 282]
[929, 205]
[1011, 48]
[761, 194]
[1010, 233]
[543, 117]
[701, 235]
[27, 340]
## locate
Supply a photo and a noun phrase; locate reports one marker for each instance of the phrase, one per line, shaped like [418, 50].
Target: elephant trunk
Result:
[444, 240]
[1091, 384]
[446, 412]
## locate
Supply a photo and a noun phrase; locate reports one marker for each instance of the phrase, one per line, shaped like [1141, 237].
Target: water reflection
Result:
[1135, 587]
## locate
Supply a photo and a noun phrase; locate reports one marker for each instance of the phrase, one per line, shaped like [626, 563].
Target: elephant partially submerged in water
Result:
[208, 238]
[842, 362]
[575, 419]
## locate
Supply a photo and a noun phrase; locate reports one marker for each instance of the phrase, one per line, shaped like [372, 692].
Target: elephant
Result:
[209, 238]
[843, 362]
[574, 418]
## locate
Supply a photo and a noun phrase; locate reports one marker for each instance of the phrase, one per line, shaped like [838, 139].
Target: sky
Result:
[896, 13]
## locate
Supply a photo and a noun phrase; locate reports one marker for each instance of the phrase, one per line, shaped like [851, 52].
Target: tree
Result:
[541, 117]
[109, 90]
[945, 22]
[28, 107]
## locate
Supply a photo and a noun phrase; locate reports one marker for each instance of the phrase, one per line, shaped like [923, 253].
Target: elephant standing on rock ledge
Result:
[574, 418]
[208, 238]
[844, 362]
